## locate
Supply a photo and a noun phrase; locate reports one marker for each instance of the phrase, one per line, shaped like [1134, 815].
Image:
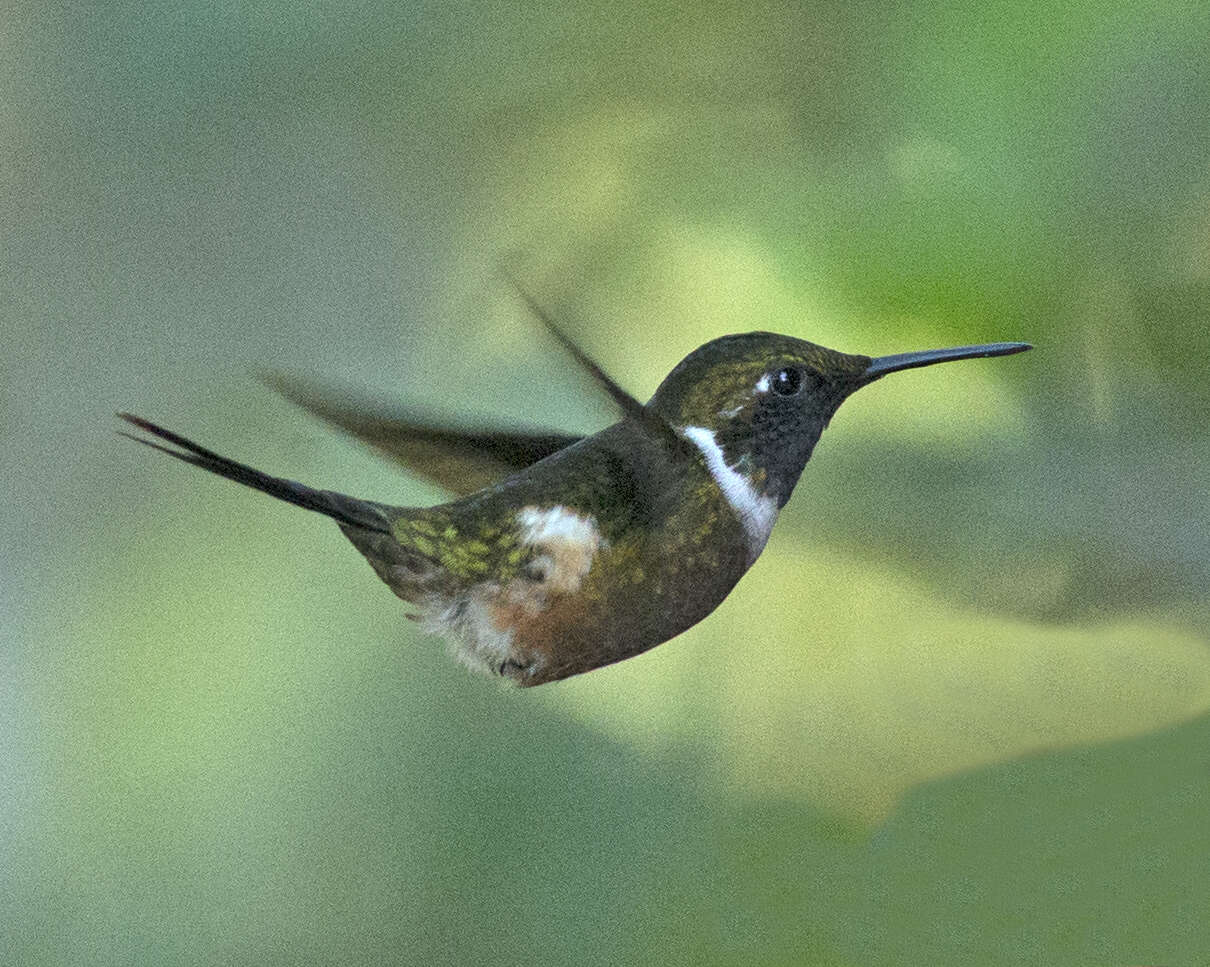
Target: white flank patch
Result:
[755, 511]
[569, 543]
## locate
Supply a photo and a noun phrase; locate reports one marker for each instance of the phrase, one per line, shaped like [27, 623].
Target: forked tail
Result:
[346, 510]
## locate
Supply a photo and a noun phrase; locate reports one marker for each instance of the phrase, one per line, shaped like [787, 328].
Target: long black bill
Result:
[882, 365]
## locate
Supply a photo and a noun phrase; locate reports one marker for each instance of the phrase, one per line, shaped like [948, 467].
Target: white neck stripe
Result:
[755, 511]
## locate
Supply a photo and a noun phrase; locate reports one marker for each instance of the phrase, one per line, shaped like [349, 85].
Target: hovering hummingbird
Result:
[590, 549]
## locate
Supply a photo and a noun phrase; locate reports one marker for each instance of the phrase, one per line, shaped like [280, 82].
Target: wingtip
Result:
[275, 379]
[138, 421]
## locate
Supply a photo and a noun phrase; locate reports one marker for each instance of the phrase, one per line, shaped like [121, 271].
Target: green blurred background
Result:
[957, 713]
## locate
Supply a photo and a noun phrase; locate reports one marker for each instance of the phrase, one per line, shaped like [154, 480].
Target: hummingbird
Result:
[561, 554]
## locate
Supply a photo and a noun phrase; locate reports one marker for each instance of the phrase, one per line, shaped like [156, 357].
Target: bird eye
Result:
[787, 382]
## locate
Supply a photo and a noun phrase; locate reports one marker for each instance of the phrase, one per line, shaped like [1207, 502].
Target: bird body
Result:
[608, 545]
[596, 553]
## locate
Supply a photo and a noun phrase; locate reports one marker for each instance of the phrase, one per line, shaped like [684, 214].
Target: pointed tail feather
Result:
[346, 510]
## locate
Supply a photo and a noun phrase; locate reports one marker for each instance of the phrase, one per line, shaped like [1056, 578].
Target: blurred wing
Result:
[458, 460]
[631, 408]
[625, 402]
